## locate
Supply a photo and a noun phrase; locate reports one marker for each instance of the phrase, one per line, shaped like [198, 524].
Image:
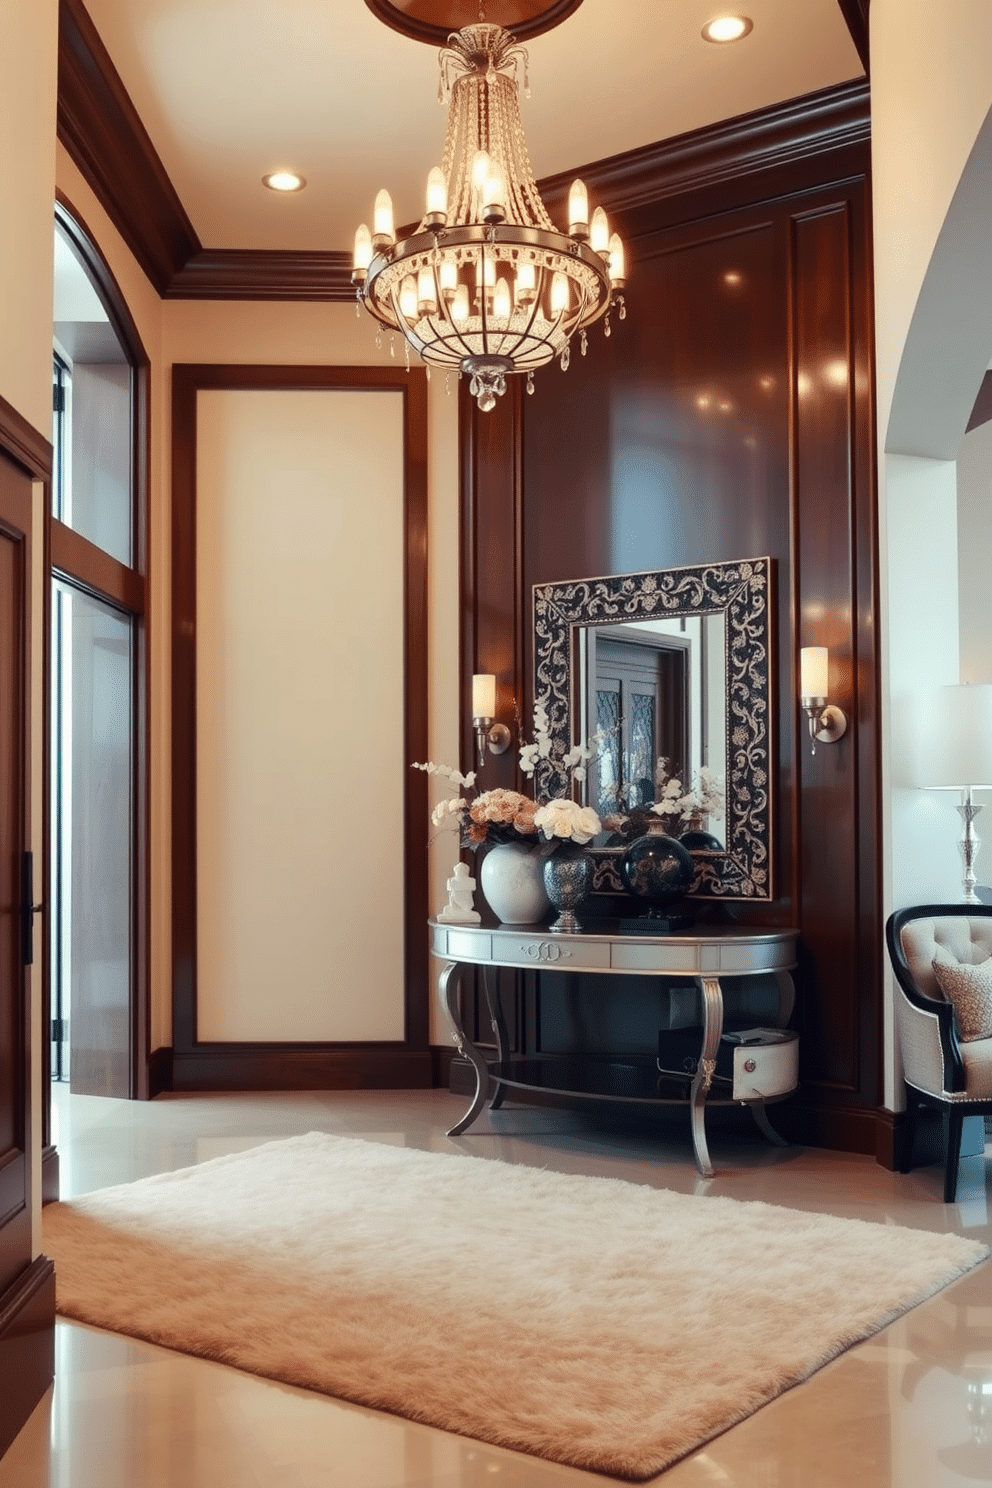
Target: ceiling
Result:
[231, 89]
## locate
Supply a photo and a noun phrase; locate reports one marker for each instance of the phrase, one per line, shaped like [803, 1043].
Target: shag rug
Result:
[598, 1323]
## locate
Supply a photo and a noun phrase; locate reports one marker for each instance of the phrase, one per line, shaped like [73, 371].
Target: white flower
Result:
[455, 776]
[568, 820]
[447, 808]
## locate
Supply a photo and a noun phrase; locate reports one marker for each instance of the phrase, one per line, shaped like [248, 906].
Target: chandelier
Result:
[486, 284]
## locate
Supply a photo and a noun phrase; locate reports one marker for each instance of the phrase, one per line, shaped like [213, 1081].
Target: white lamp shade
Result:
[483, 695]
[958, 749]
[814, 665]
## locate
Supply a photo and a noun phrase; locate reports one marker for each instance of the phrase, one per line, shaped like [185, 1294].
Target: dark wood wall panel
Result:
[729, 416]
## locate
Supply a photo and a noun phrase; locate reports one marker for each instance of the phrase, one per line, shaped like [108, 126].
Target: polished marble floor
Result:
[910, 1408]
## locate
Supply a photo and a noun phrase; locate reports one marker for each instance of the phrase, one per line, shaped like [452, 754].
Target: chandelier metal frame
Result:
[486, 284]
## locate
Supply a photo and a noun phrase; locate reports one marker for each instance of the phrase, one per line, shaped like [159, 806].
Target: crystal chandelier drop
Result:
[486, 284]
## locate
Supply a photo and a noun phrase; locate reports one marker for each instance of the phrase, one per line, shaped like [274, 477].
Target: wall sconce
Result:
[496, 735]
[827, 722]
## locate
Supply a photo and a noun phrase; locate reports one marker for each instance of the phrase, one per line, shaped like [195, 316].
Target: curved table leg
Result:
[499, 1029]
[764, 1125]
[447, 991]
[712, 1029]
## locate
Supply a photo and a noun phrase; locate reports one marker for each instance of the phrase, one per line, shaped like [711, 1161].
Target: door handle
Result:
[28, 910]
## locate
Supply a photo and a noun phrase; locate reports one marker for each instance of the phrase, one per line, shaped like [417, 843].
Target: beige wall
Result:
[300, 770]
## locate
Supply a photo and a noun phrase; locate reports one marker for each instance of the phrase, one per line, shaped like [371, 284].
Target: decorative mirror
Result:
[703, 635]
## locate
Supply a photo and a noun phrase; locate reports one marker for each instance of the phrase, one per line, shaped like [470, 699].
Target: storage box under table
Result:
[757, 1063]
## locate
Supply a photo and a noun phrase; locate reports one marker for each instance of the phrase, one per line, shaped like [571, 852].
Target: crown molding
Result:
[101, 129]
[786, 134]
[262, 274]
[855, 13]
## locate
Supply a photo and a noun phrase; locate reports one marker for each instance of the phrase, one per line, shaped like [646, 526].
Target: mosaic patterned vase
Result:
[568, 879]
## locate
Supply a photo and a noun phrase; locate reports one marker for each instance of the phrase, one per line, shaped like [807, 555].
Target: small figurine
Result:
[459, 909]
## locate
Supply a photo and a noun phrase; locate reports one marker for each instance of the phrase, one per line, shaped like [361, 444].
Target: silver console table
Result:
[704, 956]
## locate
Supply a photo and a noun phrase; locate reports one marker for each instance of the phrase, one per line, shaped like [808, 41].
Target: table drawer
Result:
[563, 952]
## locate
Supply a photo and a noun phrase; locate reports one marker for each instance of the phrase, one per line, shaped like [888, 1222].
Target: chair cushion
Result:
[977, 1059]
[968, 989]
[967, 940]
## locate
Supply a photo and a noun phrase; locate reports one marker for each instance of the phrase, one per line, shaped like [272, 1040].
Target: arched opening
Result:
[96, 692]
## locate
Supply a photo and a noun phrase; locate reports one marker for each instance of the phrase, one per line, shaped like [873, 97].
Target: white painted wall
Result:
[975, 566]
[931, 96]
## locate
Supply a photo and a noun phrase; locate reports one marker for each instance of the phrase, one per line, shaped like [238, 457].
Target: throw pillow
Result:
[969, 991]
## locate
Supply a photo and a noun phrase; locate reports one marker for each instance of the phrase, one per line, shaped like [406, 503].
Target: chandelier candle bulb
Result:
[502, 302]
[599, 234]
[578, 211]
[459, 305]
[559, 294]
[617, 263]
[437, 198]
[448, 277]
[426, 294]
[408, 298]
[362, 256]
[526, 283]
[383, 234]
[494, 196]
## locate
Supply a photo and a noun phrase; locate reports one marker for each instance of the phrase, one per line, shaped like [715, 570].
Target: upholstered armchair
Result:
[946, 1059]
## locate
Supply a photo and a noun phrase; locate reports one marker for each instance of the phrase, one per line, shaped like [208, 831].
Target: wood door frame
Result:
[87, 567]
[27, 1306]
[296, 1065]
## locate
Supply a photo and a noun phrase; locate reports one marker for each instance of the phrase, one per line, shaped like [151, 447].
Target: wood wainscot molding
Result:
[21, 442]
[27, 1345]
[159, 1071]
[855, 13]
[245, 1065]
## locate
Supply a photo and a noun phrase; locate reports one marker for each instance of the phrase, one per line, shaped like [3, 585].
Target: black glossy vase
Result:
[697, 840]
[656, 868]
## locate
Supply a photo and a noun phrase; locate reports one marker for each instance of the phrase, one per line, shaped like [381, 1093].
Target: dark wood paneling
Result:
[730, 415]
[159, 1072]
[101, 129]
[197, 1066]
[855, 13]
[286, 1067]
[21, 442]
[27, 1346]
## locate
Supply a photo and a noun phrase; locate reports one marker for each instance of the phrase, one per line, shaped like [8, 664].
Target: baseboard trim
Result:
[159, 1071]
[235, 1068]
[27, 1345]
[442, 1058]
[889, 1136]
[49, 1175]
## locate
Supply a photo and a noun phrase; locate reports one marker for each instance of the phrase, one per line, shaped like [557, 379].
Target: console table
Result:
[706, 955]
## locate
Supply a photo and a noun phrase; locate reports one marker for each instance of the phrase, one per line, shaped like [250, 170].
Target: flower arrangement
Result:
[562, 818]
[678, 807]
[484, 819]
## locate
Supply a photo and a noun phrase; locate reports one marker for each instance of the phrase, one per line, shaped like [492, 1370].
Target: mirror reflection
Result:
[670, 665]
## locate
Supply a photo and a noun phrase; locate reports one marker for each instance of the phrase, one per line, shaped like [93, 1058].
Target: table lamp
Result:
[959, 757]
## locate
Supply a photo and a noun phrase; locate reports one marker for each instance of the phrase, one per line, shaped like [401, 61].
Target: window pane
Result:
[92, 795]
[94, 495]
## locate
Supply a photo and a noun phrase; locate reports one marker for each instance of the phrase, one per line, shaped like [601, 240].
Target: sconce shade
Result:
[958, 752]
[483, 695]
[813, 671]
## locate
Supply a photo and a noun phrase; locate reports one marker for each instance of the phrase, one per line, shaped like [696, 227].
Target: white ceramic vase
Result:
[512, 879]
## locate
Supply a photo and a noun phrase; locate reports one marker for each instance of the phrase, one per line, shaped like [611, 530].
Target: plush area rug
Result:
[595, 1322]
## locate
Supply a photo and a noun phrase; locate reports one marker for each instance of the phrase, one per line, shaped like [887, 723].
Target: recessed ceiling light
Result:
[284, 180]
[727, 28]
